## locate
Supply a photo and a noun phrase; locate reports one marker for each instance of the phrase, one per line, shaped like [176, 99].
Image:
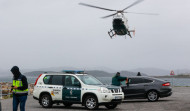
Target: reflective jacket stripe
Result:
[18, 83]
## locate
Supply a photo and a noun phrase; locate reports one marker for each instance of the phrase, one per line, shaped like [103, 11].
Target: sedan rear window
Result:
[136, 81]
[139, 80]
[147, 81]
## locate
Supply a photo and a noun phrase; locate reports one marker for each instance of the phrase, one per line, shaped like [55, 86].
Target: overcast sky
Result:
[55, 33]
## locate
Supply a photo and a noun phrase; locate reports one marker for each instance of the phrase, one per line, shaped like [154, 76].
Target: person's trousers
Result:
[19, 100]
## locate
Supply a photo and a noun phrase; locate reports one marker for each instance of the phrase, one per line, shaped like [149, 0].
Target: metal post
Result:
[172, 81]
[1, 96]
[1, 92]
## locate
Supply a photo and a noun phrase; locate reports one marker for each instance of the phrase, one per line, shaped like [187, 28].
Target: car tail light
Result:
[166, 84]
[37, 79]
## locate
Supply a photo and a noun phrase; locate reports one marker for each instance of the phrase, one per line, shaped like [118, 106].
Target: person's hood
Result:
[15, 71]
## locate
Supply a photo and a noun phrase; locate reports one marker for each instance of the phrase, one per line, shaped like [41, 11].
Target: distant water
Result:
[107, 80]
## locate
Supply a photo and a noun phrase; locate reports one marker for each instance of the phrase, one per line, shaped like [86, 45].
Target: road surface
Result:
[179, 101]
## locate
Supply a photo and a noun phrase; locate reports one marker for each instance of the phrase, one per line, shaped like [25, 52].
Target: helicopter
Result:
[120, 22]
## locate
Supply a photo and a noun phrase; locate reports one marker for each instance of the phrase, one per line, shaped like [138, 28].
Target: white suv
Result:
[69, 88]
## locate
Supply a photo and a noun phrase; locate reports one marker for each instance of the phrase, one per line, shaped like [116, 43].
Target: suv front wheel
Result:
[46, 101]
[91, 102]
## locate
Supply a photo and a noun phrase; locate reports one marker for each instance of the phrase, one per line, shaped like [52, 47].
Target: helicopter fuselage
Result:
[120, 25]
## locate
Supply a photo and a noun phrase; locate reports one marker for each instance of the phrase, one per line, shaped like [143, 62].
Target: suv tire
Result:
[152, 96]
[91, 102]
[67, 104]
[111, 106]
[46, 101]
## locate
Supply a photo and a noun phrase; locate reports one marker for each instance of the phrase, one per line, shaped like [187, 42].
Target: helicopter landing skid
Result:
[111, 33]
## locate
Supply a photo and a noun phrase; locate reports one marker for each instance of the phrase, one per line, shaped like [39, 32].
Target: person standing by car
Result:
[116, 80]
[19, 89]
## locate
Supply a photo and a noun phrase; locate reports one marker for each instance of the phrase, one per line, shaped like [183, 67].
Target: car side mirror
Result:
[128, 81]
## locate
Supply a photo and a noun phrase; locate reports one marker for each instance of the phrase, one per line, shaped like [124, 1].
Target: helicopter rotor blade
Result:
[109, 15]
[135, 3]
[142, 13]
[96, 7]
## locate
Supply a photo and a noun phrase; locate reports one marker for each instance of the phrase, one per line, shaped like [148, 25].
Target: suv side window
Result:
[71, 81]
[57, 80]
[46, 79]
[136, 80]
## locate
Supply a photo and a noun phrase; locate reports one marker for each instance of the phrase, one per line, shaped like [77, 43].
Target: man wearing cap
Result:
[19, 89]
[116, 80]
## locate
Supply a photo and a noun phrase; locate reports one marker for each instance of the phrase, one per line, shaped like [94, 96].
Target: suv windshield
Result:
[89, 80]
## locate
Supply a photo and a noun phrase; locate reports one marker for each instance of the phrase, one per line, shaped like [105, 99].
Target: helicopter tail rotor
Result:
[134, 32]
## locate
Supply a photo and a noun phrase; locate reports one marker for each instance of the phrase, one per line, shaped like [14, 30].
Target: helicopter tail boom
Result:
[132, 31]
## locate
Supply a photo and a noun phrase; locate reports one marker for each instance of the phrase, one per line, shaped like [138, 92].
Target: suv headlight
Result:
[104, 90]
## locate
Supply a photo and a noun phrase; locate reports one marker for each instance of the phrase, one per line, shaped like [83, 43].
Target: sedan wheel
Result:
[152, 96]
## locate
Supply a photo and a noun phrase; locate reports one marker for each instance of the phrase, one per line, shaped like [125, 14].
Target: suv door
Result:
[135, 88]
[56, 85]
[71, 89]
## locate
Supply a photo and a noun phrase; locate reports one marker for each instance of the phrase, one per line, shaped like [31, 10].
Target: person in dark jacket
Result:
[116, 80]
[19, 89]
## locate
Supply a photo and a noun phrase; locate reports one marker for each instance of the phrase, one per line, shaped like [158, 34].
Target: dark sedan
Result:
[146, 87]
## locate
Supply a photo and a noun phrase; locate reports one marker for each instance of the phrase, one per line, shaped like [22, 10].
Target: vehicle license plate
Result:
[118, 97]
